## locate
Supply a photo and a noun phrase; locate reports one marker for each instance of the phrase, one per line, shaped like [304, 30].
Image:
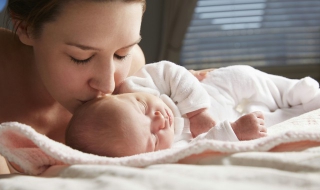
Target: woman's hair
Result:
[35, 13]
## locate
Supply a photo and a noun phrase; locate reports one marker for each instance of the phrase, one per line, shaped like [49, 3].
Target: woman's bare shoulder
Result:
[6, 35]
[7, 40]
[10, 47]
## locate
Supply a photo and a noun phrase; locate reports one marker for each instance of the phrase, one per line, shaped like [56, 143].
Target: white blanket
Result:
[35, 153]
[289, 159]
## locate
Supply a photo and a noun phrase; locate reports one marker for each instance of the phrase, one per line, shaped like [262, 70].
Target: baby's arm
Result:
[250, 126]
[3, 166]
[200, 121]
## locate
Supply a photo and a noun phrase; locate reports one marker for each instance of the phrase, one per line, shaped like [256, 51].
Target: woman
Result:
[64, 53]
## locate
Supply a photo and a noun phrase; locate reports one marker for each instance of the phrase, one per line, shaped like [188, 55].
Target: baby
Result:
[205, 109]
[133, 123]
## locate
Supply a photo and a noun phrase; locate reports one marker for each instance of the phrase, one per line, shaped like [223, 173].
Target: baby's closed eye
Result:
[143, 106]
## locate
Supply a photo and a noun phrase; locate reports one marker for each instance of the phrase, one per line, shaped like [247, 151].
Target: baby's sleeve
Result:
[173, 80]
[222, 131]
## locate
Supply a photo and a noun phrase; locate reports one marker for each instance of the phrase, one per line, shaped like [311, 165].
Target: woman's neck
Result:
[23, 97]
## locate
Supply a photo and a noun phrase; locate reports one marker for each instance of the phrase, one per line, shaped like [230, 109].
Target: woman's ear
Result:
[23, 32]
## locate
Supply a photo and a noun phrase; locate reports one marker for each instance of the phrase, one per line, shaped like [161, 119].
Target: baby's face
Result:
[147, 121]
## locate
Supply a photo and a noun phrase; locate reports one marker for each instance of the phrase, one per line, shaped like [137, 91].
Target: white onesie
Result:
[228, 93]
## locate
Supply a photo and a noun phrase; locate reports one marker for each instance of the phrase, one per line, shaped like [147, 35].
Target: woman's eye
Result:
[83, 61]
[119, 57]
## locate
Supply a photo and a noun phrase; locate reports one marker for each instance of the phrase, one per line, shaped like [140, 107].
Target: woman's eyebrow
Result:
[85, 47]
[134, 43]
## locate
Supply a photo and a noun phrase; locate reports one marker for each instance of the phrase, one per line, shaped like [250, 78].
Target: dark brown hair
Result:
[98, 133]
[35, 13]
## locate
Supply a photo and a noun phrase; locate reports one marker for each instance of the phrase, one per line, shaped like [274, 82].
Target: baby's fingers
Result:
[262, 131]
[263, 128]
[258, 114]
[262, 134]
[201, 74]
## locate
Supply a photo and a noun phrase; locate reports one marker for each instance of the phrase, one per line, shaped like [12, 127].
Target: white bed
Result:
[289, 158]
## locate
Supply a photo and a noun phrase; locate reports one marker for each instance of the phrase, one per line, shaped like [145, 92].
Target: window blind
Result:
[253, 32]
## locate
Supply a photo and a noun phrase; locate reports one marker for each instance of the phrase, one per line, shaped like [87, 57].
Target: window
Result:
[261, 33]
[3, 3]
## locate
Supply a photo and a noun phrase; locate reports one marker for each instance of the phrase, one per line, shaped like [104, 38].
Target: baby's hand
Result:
[200, 122]
[250, 126]
[201, 74]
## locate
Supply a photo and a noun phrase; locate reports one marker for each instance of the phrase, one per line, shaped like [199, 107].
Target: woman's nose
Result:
[158, 122]
[103, 79]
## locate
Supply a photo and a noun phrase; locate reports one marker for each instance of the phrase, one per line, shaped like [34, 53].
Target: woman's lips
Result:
[83, 102]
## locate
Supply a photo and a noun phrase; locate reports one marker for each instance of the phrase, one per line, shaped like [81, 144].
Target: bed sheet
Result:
[164, 177]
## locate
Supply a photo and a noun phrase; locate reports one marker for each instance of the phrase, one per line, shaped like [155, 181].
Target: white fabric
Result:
[35, 153]
[168, 78]
[172, 177]
[228, 93]
[240, 89]
[288, 159]
[220, 132]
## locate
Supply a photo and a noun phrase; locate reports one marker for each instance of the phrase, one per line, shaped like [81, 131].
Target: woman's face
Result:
[85, 52]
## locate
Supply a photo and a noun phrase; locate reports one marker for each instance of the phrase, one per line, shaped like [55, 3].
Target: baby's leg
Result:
[297, 92]
[305, 93]
[246, 84]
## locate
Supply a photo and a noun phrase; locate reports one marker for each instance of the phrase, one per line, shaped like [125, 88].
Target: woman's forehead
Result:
[97, 24]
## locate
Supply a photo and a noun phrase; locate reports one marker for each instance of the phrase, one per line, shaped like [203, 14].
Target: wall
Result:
[151, 30]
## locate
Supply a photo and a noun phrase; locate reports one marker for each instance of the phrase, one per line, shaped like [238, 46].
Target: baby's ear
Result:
[23, 31]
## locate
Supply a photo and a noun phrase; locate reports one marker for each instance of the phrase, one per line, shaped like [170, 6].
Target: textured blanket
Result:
[35, 153]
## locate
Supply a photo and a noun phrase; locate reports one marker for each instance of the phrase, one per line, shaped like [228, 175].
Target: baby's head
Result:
[121, 125]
